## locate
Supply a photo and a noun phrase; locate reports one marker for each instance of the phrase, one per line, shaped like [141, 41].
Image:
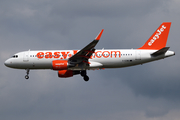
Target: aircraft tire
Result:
[86, 78]
[27, 77]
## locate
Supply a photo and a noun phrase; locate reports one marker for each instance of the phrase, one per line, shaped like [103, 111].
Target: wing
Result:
[84, 54]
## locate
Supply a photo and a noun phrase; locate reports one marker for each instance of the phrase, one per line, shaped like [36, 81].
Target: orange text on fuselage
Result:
[68, 54]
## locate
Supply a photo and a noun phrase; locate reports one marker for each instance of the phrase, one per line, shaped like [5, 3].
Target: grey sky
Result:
[144, 92]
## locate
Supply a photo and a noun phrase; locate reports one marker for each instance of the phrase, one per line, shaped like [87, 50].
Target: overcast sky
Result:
[144, 92]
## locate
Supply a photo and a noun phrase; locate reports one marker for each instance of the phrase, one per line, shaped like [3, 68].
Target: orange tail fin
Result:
[159, 38]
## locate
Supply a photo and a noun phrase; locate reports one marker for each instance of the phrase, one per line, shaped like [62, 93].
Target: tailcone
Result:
[169, 53]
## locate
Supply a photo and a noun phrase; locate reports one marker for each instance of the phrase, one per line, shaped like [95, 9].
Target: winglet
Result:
[99, 35]
[158, 40]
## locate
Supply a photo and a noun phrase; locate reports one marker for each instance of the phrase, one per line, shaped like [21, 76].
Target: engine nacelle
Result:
[60, 64]
[65, 73]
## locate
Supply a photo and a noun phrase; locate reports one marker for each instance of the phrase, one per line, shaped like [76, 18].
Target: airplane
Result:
[72, 62]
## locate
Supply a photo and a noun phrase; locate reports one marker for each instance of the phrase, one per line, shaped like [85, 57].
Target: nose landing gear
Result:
[27, 72]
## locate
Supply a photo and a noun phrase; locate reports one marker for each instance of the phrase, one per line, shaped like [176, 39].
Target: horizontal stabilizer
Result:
[160, 52]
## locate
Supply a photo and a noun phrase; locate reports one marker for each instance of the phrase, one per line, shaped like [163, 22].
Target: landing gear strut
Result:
[84, 75]
[27, 72]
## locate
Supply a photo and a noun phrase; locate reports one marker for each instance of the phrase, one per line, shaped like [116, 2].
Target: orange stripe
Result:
[86, 62]
[99, 36]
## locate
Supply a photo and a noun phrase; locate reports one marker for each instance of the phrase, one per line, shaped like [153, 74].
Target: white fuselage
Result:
[73, 62]
[105, 58]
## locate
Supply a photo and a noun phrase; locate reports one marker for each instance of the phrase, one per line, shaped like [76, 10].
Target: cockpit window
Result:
[15, 56]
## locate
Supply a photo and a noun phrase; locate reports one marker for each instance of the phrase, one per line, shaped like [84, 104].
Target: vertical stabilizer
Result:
[159, 38]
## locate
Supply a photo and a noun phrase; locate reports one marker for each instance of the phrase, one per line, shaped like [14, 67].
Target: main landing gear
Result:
[84, 75]
[27, 72]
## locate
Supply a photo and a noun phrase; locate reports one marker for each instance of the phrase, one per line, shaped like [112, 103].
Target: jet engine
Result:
[60, 64]
[67, 73]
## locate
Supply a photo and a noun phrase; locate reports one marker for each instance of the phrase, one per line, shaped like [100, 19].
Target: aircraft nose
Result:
[7, 63]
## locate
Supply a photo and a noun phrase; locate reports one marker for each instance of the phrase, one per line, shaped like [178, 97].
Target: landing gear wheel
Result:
[27, 77]
[83, 73]
[86, 78]
[27, 74]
